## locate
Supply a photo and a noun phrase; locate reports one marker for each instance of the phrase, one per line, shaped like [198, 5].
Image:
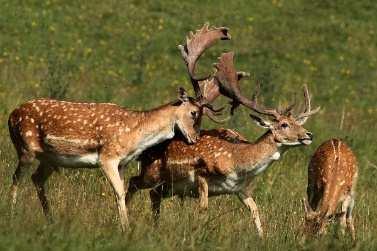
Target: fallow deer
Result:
[332, 176]
[70, 134]
[221, 162]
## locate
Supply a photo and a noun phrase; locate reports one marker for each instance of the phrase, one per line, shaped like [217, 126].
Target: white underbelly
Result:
[228, 185]
[88, 160]
[216, 186]
[145, 144]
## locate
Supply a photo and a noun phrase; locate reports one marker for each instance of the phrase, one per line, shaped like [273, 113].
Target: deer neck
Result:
[156, 126]
[256, 157]
[151, 128]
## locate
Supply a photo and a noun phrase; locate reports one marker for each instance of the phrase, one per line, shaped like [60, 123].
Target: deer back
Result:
[177, 159]
[74, 128]
[332, 173]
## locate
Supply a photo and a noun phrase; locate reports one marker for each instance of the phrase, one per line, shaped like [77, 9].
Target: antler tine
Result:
[307, 111]
[210, 91]
[289, 108]
[262, 109]
[196, 44]
[228, 78]
[307, 99]
[213, 114]
[265, 111]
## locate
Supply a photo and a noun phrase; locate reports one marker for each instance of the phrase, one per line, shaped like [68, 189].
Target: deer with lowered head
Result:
[104, 135]
[221, 161]
[332, 176]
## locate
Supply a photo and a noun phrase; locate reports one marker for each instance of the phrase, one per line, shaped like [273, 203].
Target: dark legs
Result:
[17, 176]
[156, 196]
[39, 179]
[134, 185]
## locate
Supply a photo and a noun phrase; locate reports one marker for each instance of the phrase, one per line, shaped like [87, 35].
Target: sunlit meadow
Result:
[126, 52]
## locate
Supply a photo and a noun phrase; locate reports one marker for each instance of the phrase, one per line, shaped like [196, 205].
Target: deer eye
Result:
[194, 114]
[284, 125]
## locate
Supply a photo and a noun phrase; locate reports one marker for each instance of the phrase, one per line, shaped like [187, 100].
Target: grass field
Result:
[125, 52]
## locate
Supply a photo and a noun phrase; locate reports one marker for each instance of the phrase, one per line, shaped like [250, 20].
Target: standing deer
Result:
[332, 176]
[88, 135]
[221, 161]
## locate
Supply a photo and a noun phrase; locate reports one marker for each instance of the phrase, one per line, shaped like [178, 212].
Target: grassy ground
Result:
[125, 52]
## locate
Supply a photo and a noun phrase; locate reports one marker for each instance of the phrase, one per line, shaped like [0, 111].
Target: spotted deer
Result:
[221, 161]
[104, 135]
[332, 176]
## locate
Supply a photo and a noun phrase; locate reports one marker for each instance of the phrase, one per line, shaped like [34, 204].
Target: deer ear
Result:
[242, 74]
[309, 213]
[306, 206]
[339, 215]
[261, 122]
[182, 95]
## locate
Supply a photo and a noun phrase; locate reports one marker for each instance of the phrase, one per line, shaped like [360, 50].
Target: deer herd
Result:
[175, 155]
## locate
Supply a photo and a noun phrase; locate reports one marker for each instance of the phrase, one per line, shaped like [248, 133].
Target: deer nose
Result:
[310, 135]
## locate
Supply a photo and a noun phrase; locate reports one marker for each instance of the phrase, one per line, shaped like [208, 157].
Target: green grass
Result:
[125, 52]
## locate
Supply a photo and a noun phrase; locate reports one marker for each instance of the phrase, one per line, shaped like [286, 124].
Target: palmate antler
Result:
[227, 78]
[210, 89]
[196, 44]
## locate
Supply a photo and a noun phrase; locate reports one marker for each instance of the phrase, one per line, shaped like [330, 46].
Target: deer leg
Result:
[181, 201]
[349, 218]
[23, 162]
[346, 215]
[110, 169]
[16, 180]
[249, 202]
[39, 178]
[203, 192]
[134, 185]
[342, 217]
[156, 197]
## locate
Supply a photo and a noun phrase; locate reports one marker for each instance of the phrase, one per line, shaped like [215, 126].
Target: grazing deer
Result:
[73, 135]
[332, 176]
[221, 161]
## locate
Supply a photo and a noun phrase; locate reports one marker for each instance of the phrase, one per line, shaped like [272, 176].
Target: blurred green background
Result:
[126, 52]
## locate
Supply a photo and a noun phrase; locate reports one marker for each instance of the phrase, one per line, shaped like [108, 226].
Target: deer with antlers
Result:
[221, 161]
[88, 135]
[332, 176]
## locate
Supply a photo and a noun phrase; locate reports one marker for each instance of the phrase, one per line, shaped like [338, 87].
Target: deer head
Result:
[188, 116]
[315, 221]
[287, 128]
